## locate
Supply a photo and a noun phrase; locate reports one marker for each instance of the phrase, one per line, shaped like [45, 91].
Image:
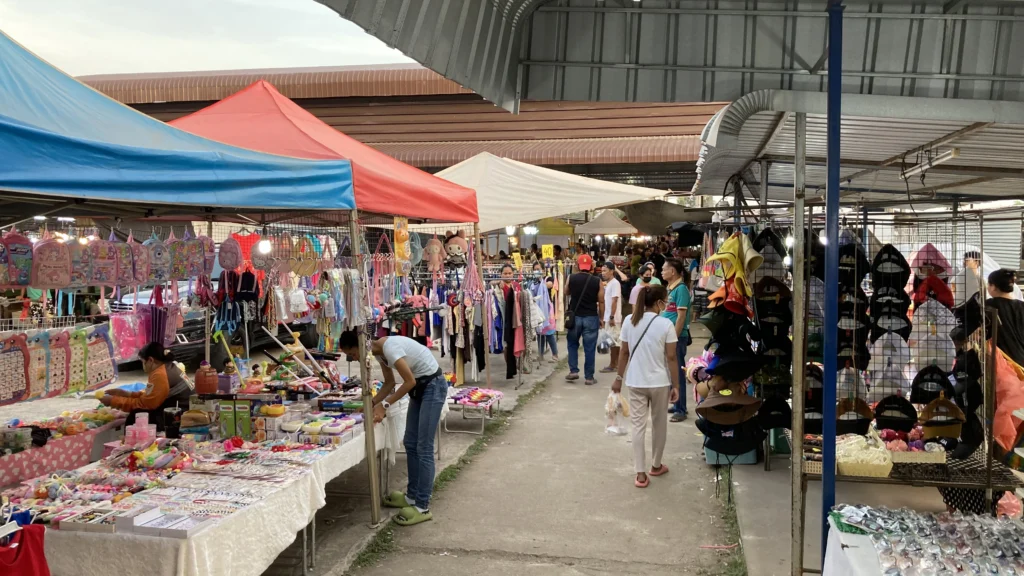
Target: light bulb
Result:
[530, 230]
[83, 241]
[823, 238]
[510, 230]
[39, 218]
[790, 241]
[787, 261]
[597, 238]
[65, 219]
[264, 246]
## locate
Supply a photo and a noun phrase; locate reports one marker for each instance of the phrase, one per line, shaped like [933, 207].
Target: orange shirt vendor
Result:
[166, 386]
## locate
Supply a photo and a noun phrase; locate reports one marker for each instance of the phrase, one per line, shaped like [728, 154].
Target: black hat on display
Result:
[854, 318]
[967, 373]
[890, 268]
[813, 383]
[813, 421]
[890, 297]
[889, 318]
[930, 383]
[731, 440]
[777, 350]
[968, 314]
[895, 413]
[853, 265]
[775, 413]
[768, 238]
[852, 350]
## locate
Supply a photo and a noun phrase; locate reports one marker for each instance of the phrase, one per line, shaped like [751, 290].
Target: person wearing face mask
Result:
[646, 278]
[166, 387]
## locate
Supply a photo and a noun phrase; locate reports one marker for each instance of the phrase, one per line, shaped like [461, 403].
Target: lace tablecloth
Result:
[243, 544]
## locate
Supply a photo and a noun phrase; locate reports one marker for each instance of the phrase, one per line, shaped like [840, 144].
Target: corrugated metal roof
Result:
[550, 152]
[692, 50]
[990, 164]
[319, 82]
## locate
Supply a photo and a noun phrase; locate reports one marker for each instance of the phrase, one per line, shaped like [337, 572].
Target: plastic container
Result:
[206, 379]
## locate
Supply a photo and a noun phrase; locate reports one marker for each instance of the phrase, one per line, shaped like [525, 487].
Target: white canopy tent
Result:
[606, 223]
[511, 193]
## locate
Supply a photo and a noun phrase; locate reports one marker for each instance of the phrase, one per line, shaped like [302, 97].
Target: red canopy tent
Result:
[261, 118]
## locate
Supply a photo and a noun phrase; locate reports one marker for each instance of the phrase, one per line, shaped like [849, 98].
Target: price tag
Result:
[547, 251]
[517, 259]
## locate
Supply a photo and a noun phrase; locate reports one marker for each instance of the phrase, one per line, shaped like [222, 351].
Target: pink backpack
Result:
[195, 256]
[5, 273]
[19, 258]
[51, 264]
[159, 260]
[209, 251]
[125, 261]
[230, 255]
[140, 261]
[103, 257]
[81, 264]
[178, 251]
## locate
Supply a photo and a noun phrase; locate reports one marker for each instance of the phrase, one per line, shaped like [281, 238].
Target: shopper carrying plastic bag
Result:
[617, 410]
[647, 365]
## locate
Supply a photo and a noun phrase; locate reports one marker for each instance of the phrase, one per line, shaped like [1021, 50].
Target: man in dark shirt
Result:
[659, 259]
[583, 289]
[1011, 313]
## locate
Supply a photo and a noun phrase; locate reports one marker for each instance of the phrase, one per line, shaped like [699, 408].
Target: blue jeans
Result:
[586, 327]
[551, 341]
[420, 428]
[680, 405]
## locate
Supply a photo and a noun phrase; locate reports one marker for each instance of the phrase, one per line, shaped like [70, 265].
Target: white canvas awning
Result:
[511, 193]
[606, 223]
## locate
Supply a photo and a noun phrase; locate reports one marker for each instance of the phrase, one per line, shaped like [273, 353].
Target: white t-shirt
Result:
[647, 367]
[966, 284]
[612, 290]
[417, 356]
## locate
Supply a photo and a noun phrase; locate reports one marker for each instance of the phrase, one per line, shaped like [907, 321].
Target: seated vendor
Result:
[166, 387]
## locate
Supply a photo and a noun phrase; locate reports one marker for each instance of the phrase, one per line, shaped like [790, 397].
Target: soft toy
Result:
[457, 248]
[434, 254]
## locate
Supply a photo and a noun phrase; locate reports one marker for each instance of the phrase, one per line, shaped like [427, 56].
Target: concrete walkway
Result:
[554, 494]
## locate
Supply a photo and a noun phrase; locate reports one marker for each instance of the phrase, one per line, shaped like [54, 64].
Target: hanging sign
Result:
[403, 251]
[517, 260]
[547, 251]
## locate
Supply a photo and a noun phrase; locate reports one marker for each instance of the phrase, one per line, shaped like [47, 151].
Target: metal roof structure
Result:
[695, 51]
[882, 137]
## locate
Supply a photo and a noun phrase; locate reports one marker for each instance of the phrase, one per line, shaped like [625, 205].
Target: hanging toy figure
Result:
[434, 254]
[457, 248]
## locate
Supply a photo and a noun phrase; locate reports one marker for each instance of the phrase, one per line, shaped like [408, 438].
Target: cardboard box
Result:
[157, 526]
[95, 520]
[187, 528]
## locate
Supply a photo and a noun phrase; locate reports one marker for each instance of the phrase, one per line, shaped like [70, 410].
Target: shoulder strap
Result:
[641, 339]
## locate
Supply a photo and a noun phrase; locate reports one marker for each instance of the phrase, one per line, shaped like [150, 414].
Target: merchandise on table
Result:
[910, 542]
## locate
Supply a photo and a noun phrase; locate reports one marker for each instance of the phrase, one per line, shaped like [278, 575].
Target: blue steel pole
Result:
[830, 351]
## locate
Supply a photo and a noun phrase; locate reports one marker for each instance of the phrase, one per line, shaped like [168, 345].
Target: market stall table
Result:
[64, 453]
[244, 543]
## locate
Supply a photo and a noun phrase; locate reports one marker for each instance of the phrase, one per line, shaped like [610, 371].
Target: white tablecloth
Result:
[849, 554]
[243, 544]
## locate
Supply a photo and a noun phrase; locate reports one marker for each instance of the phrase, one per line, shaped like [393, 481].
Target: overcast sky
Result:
[121, 36]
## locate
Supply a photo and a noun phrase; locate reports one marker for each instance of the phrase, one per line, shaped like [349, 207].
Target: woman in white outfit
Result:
[647, 365]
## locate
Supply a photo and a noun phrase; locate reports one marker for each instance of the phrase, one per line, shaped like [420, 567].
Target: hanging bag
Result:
[209, 252]
[101, 368]
[159, 260]
[195, 255]
[178, 252]
[38, 364]
[306, 263]
[76, 366]
[5, 272]
[125, 261]
[140, 261]
[19, 258]
[59, 363]
[81, 265]
[103, 256]
[263, 262]
[51, 264]
[230, 255]
[14, 385]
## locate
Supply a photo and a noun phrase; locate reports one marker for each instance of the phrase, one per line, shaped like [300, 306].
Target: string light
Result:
[263, 246]
[530, 230]
[787, 261]
[510, 230]
[790, 241]
[823, 238]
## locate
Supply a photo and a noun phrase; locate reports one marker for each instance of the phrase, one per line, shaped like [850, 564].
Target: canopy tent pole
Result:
[830, 348]
[799, 337]
[483, 310]
[364, 375]
[206, 310]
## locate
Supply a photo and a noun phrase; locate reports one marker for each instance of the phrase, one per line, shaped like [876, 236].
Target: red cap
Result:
[585, 262]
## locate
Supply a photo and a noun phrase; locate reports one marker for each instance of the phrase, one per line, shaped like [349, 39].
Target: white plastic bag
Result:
[605, 341]
[617, 412]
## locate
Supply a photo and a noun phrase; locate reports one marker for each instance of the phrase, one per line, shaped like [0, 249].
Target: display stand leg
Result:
[312, 548]
[305, 551]
[364, 374]
[798, 483]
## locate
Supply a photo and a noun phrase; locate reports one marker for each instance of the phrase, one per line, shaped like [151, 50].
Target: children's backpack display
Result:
[159, 260]
[81, 265]
[13, 369]
[101, 367]
[209, 251]
[264, 262]
[104, 263]
[140, 261]
[5, 273]
[38, 362]
[51, 264]
[230, 254]
[125, 261]
[178, 251]
[195, 255]
[19, 258]
[78, 346]
[59, 360]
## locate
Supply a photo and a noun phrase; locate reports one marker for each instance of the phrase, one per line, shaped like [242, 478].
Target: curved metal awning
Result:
[882, 137]
[684, 51]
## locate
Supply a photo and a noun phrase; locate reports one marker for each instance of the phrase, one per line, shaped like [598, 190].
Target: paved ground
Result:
[555, 495]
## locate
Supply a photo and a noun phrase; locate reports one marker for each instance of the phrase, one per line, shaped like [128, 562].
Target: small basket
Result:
[918, 457]
[812, 467]
[865, 470]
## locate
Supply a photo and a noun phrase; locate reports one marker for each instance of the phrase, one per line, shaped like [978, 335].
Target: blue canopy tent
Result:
[67, 147]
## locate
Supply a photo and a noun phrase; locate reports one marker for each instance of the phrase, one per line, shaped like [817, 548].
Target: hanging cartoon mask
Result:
[457, 248]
